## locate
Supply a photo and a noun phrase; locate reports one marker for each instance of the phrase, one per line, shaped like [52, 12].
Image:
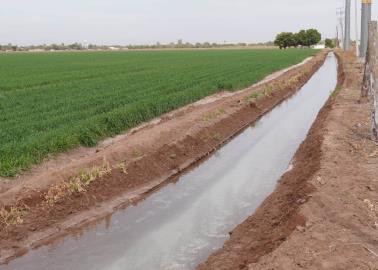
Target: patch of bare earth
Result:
[53, 199]
[324, 212]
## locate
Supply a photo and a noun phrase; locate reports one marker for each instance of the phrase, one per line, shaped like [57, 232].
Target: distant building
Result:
[319, 46]
[36, 50]
[85, 45]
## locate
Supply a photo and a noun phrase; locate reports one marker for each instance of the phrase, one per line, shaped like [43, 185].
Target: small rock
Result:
[309, 224]
[320, 180]
[370, 205]
[301, 201]
[301, 229]
[370, 188]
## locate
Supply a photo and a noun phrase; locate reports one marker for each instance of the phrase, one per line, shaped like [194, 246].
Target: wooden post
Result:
[372, 66]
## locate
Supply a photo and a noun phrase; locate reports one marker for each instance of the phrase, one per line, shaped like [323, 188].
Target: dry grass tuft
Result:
[122, 166]
[77, 184]
[210, 116]
[12, 216]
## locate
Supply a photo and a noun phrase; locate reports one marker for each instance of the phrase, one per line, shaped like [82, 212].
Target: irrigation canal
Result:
[179, 226]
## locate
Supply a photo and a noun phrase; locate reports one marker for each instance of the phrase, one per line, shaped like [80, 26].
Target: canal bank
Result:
[322, 214]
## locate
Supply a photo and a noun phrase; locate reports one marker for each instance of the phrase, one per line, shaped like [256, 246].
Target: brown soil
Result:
[154, 154]
[324, 212]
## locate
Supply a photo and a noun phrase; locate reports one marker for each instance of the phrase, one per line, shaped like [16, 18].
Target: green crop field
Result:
[52, 102]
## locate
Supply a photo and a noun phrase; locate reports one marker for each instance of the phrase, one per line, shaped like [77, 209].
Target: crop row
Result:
[52, 102]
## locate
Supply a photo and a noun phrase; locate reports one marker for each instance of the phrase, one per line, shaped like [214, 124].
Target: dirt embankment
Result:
[54, 198]
[324, 212]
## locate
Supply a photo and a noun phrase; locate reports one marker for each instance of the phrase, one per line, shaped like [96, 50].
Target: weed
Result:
[13, 216]
[136, 153]
[56, 193]
[210, 116]
[268, 90]
[77, 184]
[255, 96]
[216, 136]
[336, 91]
[122, 166]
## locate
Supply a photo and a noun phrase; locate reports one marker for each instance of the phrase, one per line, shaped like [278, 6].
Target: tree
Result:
[329, 43]
[179, 44]
[285, 40]
[313, 36]
[302, 38]
[305, 38]
[206, 45]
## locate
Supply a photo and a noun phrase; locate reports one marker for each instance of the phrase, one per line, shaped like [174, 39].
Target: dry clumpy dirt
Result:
[324, 212]
[151, 155]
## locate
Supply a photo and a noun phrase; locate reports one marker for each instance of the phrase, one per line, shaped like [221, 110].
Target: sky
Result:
[123, 22]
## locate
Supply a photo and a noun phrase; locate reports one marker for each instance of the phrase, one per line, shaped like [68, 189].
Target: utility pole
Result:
[347, 25]
[356, 26]
[340, 17]
[370, 83]
[365, 19]
[337, 37]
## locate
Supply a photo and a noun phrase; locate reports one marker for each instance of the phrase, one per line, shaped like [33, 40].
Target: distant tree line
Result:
[79, 46]
[52, 47]
[304, 38]
[186, 45]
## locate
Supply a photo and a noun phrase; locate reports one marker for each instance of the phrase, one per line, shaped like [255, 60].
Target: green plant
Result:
[53, 102]
[255, 96]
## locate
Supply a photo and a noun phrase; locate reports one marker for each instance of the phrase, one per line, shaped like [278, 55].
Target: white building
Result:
[319, 46]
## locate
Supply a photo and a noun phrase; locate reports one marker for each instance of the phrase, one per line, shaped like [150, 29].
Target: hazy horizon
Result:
[117, 22]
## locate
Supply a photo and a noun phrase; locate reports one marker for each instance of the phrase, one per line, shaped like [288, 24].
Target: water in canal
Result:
[179, 226]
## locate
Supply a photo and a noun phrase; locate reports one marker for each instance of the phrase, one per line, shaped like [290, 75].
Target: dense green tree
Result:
[285, 40]
[304, 38]
[329, 43]
[313, 36]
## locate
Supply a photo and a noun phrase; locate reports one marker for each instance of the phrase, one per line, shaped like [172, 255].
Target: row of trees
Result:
[304, 38]
[45, 47]
[79, 46]
[187, 45]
